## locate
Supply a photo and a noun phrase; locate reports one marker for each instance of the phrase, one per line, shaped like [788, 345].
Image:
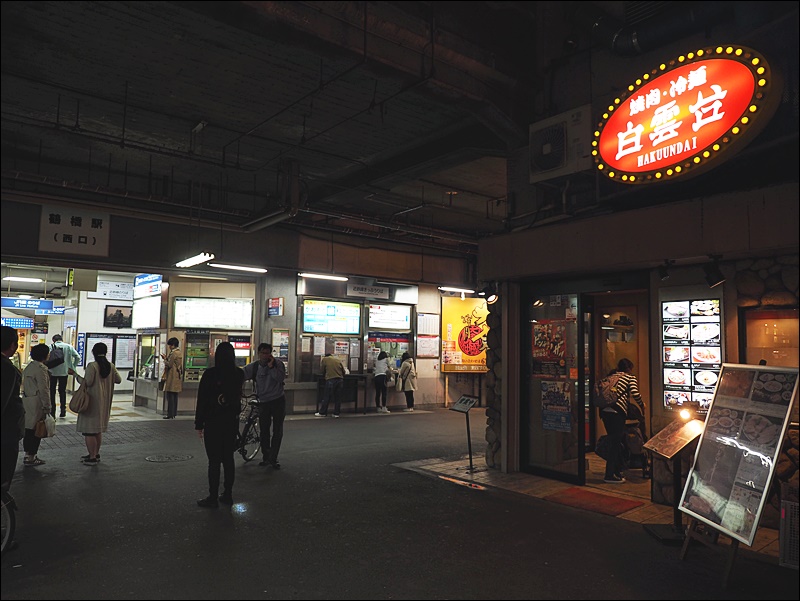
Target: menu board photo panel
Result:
[691, 350]
[728, 483]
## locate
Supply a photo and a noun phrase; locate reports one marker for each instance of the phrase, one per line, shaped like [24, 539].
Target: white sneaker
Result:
[386, 410]
[408, 410]
[320, 415]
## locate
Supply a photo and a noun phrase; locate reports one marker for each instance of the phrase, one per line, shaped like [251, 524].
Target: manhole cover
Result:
[167, 458]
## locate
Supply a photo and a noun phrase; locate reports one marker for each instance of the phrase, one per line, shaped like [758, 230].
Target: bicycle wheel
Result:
[250, 439]
[8, 522]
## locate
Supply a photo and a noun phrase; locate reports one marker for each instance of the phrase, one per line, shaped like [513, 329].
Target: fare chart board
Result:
[691, 350]
[728, 483]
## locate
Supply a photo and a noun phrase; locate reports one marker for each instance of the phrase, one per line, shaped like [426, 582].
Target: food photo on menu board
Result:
[676, 397]
[773, 388]
[705, 308]
[676, 354]
[677, 377]
[675, 310]
[706, 354]
[676, 332]
[704, 398]
[705, 332]
[705, 377]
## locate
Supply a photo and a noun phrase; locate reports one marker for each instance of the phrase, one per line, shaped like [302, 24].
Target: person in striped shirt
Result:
[614, 419]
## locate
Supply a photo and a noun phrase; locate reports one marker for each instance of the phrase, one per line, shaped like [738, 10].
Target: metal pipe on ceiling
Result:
[418, 231]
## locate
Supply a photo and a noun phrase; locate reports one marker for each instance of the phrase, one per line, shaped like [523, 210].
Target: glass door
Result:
[555, 370]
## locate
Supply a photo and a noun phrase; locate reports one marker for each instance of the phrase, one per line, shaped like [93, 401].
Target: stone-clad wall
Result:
[493, 387]
[767, 282]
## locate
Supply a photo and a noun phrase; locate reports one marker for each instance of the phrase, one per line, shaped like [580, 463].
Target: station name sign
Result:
[686, 116]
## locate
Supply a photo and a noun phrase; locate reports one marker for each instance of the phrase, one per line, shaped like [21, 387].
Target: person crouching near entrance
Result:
[614, 420]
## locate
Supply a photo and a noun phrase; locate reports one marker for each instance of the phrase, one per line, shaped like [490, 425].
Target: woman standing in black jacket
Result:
[219, 402]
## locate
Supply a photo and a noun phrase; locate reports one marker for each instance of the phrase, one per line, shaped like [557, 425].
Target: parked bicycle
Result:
[8, 521]
[249, 441]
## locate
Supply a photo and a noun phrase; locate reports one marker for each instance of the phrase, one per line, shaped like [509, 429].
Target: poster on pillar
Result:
[464, 333]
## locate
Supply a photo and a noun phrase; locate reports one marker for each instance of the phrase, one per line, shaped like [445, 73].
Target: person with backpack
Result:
[625, 386]
[61, 363]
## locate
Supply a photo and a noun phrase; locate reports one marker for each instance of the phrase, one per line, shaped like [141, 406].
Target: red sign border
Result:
[764, 102]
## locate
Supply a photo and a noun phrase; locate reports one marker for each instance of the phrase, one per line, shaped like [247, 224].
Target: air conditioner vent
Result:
[560, 145]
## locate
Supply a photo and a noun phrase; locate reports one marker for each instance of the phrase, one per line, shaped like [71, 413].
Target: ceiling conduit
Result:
[672, 25]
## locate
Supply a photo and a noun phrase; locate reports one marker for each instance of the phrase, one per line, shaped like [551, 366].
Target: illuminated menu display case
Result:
[691, 350]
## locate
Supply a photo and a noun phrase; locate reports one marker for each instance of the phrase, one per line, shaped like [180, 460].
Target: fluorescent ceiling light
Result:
[195, 260]
[24, 296]
[322, 276]
[238, 267]
[461, 290]
[13, 278]
[200, 277]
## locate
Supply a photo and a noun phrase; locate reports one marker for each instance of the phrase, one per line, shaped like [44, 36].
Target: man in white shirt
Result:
[59, 373]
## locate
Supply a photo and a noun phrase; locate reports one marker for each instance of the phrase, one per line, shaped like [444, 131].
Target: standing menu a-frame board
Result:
[728, 484]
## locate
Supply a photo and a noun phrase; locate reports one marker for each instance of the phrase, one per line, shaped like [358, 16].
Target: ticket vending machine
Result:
[197, 356]
[148, 366]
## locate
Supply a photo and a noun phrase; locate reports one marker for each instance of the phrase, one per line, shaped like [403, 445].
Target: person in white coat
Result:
[36, 401]
[101, 375]
[407, 381]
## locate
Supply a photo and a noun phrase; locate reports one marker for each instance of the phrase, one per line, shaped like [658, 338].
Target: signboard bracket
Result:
[709, 536]
[463, 405]
[669, 443]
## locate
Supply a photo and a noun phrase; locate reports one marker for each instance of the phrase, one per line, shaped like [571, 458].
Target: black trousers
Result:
[31, 442]
[61, 382]
[615, 426]
[271, 414]
[172, 403]
[380, 390]
[220, 443]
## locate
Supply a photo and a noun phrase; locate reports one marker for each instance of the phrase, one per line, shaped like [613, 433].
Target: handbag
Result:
[399, 384]
[80, 400]
[45, 427]
[389, 379]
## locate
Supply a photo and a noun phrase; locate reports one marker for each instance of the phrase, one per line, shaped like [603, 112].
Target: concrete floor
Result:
[357, 512]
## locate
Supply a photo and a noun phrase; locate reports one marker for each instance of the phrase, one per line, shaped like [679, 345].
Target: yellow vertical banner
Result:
[464, 332]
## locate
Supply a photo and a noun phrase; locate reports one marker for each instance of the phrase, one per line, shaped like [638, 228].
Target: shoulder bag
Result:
[80, 400]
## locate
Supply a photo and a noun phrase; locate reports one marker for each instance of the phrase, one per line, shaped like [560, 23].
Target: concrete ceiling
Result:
[234, 111]
[388, 120]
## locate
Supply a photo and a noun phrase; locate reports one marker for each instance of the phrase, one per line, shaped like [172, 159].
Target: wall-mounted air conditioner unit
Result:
[561, 145]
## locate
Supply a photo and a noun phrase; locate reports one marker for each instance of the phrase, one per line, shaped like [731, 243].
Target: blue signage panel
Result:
[53, 311]
[81, 347]
[26, 303]
[147, 284]
[18, 323]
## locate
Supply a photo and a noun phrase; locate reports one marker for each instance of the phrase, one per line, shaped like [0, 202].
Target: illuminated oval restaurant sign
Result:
[685, 116]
